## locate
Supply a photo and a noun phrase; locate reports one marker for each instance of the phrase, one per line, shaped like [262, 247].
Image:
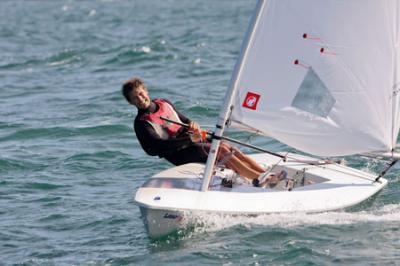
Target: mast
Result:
[225, 111]
[396, 85]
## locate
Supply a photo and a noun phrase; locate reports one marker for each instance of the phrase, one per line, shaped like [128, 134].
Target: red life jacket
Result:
[163, 128]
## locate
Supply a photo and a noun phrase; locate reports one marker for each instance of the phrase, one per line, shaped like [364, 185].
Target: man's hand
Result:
[195, 132]
[193, 127]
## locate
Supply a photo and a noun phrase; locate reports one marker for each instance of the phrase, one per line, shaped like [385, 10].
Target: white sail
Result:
[322, 76]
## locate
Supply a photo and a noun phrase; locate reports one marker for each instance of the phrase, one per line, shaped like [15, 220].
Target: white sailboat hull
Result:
[160, 222]
[168, 197]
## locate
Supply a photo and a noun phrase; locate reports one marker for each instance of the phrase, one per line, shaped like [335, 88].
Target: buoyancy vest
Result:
[163, 128]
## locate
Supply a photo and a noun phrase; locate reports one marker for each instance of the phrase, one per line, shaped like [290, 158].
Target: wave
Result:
[217, 222]
[129, 56]
[60, 132]
[41, 186]
[8, 164]
[65, 57]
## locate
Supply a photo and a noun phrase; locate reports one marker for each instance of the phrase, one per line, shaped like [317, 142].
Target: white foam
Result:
[92, 13]
[57, 63]
[215, 222]
[146, 49]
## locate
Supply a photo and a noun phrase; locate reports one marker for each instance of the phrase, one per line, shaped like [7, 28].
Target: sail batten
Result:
[318, 76]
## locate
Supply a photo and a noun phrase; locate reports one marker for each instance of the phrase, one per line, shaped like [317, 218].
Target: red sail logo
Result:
[251, 100]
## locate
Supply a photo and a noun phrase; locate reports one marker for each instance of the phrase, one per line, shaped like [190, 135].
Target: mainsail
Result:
[322, 76]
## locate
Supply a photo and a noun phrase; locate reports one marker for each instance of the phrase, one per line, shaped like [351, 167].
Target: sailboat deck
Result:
[302, 175]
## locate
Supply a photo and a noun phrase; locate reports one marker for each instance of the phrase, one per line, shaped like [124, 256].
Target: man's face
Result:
[140, 98]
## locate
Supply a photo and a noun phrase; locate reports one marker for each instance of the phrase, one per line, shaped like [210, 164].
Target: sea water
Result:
[70, 163]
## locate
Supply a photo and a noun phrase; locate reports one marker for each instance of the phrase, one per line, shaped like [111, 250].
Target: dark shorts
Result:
[195, 153]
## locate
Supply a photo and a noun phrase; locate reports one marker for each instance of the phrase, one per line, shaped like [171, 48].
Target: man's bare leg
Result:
[244, 158]
[233, 162]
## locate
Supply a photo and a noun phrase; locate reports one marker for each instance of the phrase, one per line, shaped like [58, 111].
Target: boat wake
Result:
[217, 222]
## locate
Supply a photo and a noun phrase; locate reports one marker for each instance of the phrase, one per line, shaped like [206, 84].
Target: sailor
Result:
[175, 143]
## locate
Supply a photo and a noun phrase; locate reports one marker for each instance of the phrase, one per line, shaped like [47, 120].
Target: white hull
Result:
[161, 222]
[170, 195]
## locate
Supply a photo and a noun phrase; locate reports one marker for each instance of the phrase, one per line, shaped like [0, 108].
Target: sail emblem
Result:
[251, 100]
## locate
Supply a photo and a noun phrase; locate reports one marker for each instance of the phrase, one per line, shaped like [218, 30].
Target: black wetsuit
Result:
[178, 149]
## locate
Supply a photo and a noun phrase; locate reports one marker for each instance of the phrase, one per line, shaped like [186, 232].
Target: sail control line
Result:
[394, 156]
[389, 165]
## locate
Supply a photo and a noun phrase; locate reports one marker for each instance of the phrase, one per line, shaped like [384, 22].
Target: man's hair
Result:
[131, 85]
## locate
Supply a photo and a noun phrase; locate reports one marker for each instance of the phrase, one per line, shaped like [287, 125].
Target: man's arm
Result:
[151, 142]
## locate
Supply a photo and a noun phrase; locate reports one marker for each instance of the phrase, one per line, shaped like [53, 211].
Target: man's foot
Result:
[255, 182]
[290, 184]
[225, 182]
[273, 179]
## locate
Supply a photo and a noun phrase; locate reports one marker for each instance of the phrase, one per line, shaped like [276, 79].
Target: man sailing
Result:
[177, 144]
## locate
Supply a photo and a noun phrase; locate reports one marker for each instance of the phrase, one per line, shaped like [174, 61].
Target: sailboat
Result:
[318, 76]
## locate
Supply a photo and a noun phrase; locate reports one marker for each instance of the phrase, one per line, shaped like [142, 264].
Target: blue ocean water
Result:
[70, 164]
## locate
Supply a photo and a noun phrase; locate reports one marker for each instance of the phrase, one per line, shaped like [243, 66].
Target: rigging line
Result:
[276, 164]
[337, 164]
[249, 138]
[344, 172]
[390, 165]
[322, 166]
[359, 175]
